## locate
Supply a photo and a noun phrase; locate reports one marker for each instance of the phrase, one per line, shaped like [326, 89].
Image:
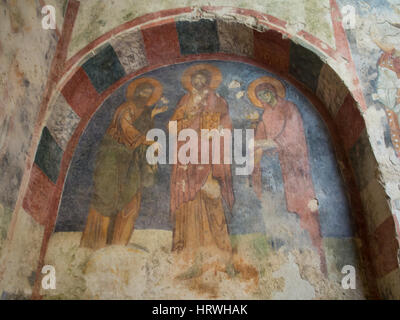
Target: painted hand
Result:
[157, 111]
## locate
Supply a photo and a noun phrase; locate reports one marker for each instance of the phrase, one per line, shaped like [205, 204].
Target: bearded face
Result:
[200, 81]
[143, 93]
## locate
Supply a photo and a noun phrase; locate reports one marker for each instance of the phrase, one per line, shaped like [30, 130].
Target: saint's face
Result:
[199, 81]
[266, 96]
[145, 93]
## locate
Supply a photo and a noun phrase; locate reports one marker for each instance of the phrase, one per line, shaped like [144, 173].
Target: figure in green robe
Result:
[121, 168]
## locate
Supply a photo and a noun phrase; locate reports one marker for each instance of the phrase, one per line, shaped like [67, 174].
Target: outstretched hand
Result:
[156, 111]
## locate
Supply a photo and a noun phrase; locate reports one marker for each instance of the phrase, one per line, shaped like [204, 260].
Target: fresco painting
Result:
[388, 88]
[130, 229]
[281, 130]
[121, 168]
[375, 49]
[78, 194]
[198, 190]
[386, 79]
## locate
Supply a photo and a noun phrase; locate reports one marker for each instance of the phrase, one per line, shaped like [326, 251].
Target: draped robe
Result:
[120, 172]
[388, 87]
[121, 167]
[283, 124]
[388, 90]
[197, 190]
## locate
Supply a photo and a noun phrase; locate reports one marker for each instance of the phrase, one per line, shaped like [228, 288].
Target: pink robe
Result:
[283, 125]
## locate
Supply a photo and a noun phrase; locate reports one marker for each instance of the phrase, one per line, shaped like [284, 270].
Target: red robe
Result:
[187, 180]
[195, 175]
[283, 125]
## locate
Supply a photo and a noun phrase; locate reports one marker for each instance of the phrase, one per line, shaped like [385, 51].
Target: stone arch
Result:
[160, 39]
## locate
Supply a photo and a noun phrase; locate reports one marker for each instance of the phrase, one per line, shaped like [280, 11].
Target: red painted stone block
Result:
[350, 122]
[81, 94]
[384, 248]
[38, 196]
[161, 42]
[272, 50]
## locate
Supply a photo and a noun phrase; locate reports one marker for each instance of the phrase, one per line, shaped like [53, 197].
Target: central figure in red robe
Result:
[199, 190]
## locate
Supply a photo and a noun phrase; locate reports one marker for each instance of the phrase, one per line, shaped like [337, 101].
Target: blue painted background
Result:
[246, 216]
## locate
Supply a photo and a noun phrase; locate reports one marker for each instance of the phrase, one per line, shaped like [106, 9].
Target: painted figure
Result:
[198, 190]
[281, 130]
[121, 168]
[388, 88]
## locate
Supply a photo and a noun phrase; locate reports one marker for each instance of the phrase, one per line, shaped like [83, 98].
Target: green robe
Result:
[120, 172]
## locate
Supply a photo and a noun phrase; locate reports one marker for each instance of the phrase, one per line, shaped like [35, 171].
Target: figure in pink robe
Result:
[281, 130]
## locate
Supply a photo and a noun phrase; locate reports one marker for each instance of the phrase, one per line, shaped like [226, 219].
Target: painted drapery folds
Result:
[121, 168]
[388, 89]
[76, 191]
[281, 130]
[197, 190]
[129, 229]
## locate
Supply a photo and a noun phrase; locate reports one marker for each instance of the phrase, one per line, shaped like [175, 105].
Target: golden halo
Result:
[157, 93]
[216, 76]
[251, 91]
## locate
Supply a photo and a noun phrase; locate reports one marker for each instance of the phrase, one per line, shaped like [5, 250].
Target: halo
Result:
[216, 76]
[251, 91]
[157, 93]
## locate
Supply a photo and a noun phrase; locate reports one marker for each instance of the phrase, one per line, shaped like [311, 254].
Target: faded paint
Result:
[95, 20]
[23, 83]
